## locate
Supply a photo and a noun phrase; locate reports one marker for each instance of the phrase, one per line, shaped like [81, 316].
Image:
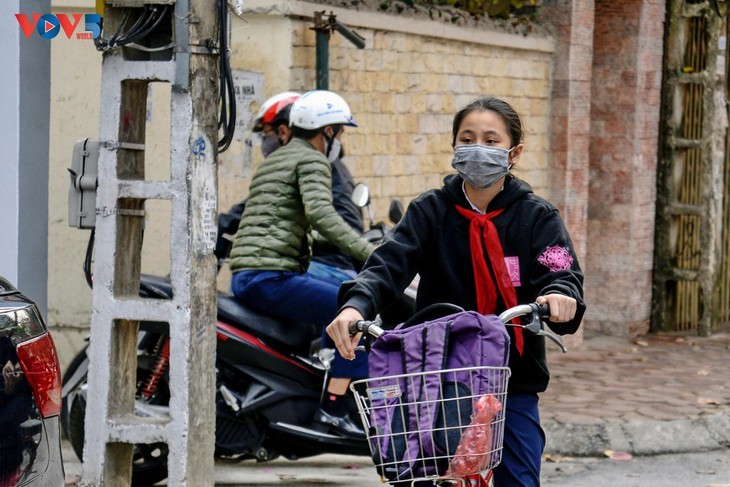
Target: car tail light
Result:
[39, 361]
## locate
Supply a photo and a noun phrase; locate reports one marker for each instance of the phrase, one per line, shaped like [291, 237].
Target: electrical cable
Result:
[227, 97]
[141, 20]
[152, 49]
[88, 260]
[145, 24]
[150, 29]
[120, 28]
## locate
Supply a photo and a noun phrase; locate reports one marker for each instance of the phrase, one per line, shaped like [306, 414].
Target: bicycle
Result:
[460, 441]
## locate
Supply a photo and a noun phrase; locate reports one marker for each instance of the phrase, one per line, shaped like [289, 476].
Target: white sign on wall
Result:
[249, 92]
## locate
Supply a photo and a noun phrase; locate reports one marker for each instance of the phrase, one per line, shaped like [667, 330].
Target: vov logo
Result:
[48, 25]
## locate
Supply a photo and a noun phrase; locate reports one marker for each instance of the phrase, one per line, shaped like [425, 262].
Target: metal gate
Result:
[691, 288]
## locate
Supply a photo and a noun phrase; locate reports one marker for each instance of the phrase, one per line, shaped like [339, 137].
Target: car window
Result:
[19, 321]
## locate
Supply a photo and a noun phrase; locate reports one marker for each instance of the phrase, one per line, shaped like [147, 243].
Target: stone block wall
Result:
[404, 89]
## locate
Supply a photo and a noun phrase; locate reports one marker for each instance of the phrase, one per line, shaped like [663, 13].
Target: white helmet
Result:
[319, 108]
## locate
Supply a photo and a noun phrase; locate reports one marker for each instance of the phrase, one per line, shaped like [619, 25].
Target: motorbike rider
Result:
[272, 123]
[290, 198]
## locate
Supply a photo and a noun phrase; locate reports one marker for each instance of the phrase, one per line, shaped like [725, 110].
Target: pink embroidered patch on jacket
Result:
[556, 258]
[513, 268]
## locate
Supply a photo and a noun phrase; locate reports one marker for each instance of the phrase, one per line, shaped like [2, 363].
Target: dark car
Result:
[30, 395]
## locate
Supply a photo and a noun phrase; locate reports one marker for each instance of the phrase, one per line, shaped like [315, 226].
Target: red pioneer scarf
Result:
[483, 239]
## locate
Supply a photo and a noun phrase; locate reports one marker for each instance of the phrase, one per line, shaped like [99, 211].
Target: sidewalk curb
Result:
[650, 437]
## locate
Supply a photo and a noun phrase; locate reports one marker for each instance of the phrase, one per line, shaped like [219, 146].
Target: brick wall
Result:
[570, 106]
[625, 98]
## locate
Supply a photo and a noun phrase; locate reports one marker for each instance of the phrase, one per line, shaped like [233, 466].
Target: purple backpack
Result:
[416, 420]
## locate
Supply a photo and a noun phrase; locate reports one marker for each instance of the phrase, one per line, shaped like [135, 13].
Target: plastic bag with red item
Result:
[475, 448]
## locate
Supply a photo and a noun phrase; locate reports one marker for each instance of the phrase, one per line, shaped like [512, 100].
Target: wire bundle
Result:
[227, 97]
[145, 24]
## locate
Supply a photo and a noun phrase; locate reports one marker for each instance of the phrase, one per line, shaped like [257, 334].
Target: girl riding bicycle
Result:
[485, 242]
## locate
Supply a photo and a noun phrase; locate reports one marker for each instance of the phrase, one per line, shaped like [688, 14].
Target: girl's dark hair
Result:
[501, 108]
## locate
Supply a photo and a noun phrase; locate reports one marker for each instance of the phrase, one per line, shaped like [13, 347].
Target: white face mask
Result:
[481, 165]
[335, 149]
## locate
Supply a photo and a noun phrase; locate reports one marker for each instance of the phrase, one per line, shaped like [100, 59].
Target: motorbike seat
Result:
[286, 333]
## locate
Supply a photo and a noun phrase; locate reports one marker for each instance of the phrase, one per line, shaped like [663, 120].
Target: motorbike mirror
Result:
[395, 212]
[360, 195]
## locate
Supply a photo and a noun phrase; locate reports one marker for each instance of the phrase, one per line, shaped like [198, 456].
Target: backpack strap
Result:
[423, 350]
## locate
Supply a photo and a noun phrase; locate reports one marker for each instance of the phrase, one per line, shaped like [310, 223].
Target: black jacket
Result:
[432, 240]
[342, 187]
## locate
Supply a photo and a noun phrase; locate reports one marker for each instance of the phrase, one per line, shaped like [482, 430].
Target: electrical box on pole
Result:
[82, 193]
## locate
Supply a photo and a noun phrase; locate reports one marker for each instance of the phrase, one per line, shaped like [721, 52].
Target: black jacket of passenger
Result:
[432, 240]
[342, 188]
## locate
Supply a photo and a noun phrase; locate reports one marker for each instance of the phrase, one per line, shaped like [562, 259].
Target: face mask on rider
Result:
[333, 147]
[334, 150]
[481, 165]
[269, 144]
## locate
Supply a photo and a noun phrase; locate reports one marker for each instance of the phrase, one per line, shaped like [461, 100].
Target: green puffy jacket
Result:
[290, 196]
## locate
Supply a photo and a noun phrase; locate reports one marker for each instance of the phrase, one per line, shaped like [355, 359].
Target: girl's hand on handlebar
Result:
[339, 331]
[562, 308]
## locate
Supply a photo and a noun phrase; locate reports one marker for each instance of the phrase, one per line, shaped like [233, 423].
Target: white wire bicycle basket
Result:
[434, 427]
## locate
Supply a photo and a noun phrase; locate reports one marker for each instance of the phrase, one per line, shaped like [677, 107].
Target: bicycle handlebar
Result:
[535, 325]
[372, 328]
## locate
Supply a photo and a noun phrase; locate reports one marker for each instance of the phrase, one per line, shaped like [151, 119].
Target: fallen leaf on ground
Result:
[703, 372]
[641, 343]
[708, 400]
[618, 455]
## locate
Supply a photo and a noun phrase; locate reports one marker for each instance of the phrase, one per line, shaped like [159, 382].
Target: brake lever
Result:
[538, 327]
[554, 337]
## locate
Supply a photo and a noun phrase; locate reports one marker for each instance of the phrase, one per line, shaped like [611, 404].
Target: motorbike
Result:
[270, 375]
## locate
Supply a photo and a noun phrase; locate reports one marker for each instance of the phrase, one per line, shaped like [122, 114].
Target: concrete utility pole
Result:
[112, 428]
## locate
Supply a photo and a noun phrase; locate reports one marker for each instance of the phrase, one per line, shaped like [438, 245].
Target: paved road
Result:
[708, 469]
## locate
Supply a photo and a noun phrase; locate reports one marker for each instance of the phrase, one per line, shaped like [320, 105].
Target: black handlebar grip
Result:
[543, 310]
[355, 327]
